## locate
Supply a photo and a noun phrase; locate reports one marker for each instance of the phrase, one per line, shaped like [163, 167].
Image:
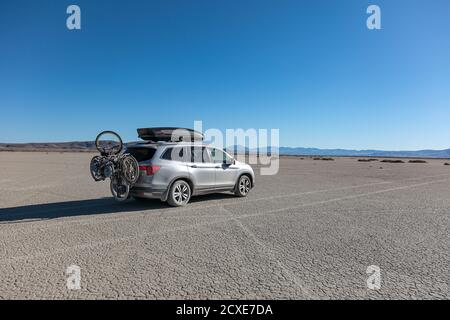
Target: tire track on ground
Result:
[96, 244]
[88, 220]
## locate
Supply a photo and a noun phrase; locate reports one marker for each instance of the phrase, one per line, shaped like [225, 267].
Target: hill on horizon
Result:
[89, 146]
[300, 151]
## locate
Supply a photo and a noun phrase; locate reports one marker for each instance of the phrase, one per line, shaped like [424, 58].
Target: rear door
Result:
[201, 169]
[226, 174]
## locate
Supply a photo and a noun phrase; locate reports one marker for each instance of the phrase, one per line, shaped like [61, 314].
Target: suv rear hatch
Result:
[144, 155]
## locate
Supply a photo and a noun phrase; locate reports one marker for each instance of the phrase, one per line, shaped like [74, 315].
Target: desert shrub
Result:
[392, 161]
[417, 161]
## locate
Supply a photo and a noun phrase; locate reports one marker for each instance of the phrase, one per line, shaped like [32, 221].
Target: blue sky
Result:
[310, 68]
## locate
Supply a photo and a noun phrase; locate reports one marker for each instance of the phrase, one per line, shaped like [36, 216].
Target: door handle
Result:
[193, 166]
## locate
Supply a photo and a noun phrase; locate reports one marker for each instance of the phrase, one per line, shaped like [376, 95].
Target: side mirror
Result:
[229, 162]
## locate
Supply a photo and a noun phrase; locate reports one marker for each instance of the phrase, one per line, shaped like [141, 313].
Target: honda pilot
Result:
[176, 171]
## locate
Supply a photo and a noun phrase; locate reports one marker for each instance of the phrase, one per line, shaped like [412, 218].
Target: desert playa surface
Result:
[308, 232]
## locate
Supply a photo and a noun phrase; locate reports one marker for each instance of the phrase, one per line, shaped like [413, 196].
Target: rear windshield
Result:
[141, 154]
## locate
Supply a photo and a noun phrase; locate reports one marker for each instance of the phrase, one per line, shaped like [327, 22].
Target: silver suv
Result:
[175, 171]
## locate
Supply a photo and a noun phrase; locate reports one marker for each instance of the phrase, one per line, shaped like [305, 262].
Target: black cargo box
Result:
[169, 134]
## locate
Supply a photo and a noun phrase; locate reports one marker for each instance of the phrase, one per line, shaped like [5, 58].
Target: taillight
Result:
[150, 170]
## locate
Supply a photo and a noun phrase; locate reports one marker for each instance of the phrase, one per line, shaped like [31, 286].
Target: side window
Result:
[167, 155]
[200, 154]
[218, 156]
[175, 154]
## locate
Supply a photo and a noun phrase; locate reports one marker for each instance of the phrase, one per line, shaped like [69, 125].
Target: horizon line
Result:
[263, 147]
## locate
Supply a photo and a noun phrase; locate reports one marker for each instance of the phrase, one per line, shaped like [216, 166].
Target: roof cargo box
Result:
[169, 134]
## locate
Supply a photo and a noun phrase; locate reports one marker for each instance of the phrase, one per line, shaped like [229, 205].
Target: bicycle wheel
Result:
[130, 169]
[108, 143]
[120, 189]
[95, 168]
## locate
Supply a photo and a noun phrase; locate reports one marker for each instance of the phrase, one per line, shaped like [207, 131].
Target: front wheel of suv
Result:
[179, 194]
[243, 186]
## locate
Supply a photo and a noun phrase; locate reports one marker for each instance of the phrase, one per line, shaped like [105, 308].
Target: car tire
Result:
[179, 194]
[243, 186]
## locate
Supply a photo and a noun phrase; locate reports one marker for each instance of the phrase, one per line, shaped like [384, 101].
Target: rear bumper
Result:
[148, 193]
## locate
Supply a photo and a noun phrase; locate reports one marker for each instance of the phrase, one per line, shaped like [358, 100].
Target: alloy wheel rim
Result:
[181, 193]
[244, 186]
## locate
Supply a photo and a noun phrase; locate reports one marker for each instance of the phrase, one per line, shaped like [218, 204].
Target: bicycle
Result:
[122, 168]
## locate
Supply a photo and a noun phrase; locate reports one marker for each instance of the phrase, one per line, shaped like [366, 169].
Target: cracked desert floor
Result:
[309, 232]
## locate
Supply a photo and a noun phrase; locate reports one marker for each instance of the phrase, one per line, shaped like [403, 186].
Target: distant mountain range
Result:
[78, 146]
[89, 146]
[299, 151]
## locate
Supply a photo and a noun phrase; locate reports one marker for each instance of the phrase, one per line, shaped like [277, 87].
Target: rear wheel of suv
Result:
[179, 194]
[243, 186]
